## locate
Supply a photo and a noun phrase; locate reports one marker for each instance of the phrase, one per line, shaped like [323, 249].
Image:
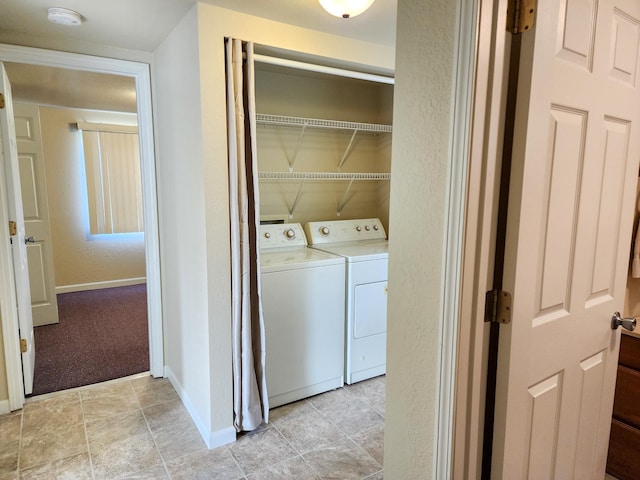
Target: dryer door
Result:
[370, 316]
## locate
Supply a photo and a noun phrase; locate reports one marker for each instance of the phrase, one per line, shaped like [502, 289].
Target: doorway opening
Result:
[139, 73]
[88, 290]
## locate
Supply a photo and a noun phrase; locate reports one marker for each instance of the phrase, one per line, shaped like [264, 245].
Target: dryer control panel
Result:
[334, 231]
[282, 235]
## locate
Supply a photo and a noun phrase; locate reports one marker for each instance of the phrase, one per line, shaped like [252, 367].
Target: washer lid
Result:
[298, 257]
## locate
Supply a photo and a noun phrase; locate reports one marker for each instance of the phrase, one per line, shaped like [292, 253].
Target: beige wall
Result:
[81, 258]
[193, 193]
[422, 112]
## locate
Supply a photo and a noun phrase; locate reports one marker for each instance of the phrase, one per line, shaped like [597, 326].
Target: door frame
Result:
[140, 72]
[480, 224]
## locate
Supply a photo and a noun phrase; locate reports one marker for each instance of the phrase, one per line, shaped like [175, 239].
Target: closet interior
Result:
[323, 155]
[324, 145]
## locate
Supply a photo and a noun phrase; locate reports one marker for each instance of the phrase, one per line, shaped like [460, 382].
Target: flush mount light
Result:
[345, 8]
[64, 16]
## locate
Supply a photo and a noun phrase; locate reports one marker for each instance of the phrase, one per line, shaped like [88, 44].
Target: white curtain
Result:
[250, 402]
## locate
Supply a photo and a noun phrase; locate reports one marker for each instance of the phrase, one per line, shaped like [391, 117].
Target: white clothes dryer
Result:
[364, 246]
[303, 306]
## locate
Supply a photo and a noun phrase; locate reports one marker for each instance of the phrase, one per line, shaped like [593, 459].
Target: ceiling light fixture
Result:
[345, 8]
[64, 16]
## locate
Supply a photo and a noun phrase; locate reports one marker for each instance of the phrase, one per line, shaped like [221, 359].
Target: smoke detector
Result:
[64, 16]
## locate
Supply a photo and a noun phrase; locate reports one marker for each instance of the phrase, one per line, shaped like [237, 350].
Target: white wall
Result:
[80, 258]
[422, 112]
[183, 226]
[189, 91]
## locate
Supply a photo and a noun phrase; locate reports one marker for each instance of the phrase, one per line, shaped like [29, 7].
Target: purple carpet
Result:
[102, 335]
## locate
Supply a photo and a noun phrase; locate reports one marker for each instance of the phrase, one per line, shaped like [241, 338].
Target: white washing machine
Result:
[364, 245]
[303, 304]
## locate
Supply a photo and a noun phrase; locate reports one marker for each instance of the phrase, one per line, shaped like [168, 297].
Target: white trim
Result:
[4, 407]
[462, 96]
[82, 287]
[212, 439]
[106, 127]
[140, 72]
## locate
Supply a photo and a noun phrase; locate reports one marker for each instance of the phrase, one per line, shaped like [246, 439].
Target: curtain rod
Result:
[323, 69]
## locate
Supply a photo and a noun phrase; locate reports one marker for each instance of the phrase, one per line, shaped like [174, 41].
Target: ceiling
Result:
[143, 25]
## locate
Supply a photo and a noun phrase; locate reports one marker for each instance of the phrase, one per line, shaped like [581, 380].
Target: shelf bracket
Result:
[292, 160]
[345, 198]
[349, 148]
[296, 200]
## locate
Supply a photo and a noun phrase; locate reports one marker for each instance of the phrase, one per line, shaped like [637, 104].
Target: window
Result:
[112, 162]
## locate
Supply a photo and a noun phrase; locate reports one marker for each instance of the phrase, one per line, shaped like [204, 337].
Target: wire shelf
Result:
[265, 119]
[323, 176]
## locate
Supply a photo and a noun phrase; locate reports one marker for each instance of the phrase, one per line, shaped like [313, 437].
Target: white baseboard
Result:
[4, 407]
[81, 287]
[212, 439]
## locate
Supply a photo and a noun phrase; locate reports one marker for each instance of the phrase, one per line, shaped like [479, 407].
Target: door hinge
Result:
[1, 100]
[23, 345]
[13, 228]
[497, 307]
[521, 15]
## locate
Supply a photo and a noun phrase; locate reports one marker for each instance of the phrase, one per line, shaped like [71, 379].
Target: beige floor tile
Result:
[372, 442]
[342, 461]
[167, 416]
[121, 388]
[9, 459]
[254, 451]
[136, 427]
[39, 448]
[52, 413]
[155, 391]
[309, 432]
[108, 401]
[290, 411]
[371, 392]
[215, 464]
[294, 469]
[346, 411]
[376, 476]
[112, 429]
[143, 380]
[10, 426]
[77, 467]
[125, 457]
[178, 443]
[157, 472]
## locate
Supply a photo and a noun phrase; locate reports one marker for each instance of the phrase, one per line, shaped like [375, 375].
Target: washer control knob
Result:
[375, 227]
[358, 228]
[267, 235]
[290, 233]
[324, 231]
[367, 228]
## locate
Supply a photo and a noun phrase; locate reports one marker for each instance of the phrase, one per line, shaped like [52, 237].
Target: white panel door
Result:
[44, 306]
[18, 247]
[571, 206]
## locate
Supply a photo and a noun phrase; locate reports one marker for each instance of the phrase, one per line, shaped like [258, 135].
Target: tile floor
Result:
[137, 428]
